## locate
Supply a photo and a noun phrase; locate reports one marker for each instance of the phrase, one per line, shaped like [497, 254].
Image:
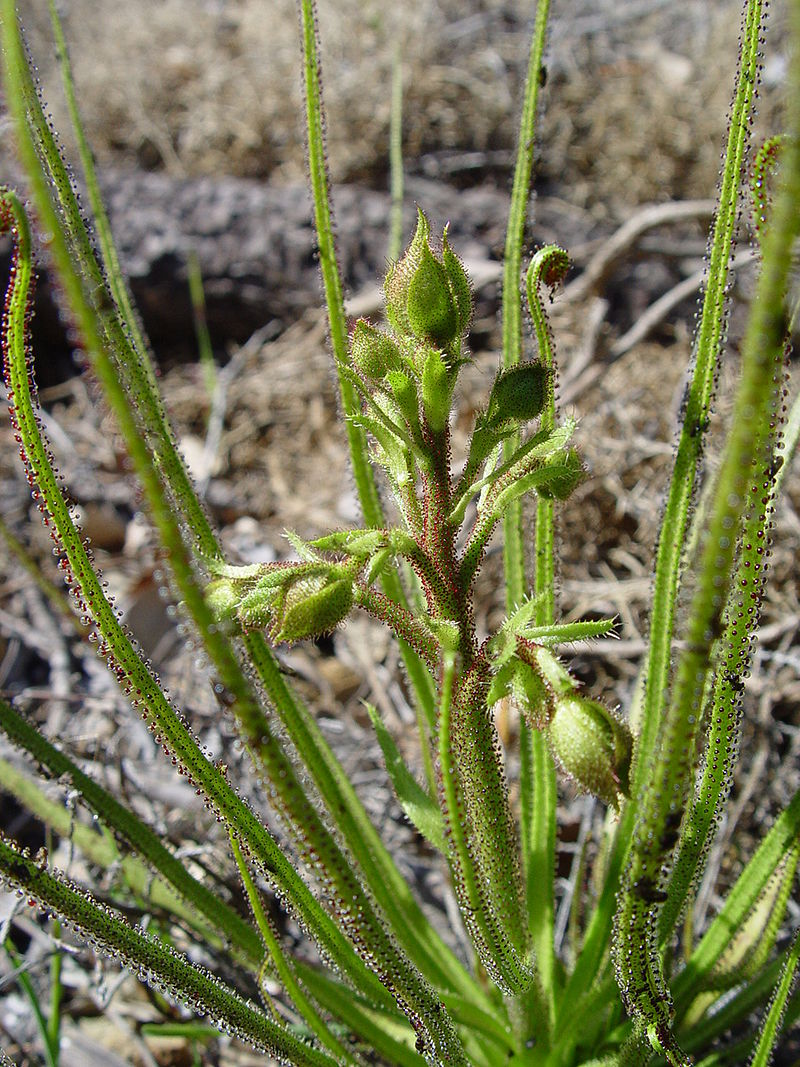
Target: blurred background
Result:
[634, 105]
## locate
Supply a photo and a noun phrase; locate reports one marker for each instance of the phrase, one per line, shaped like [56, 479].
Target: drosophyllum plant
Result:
[386, 987]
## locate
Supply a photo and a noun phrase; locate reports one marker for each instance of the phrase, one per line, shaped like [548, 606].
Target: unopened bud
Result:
[428, 297]
[222, 598]
[311, 609]
[592, 746]
[560, 477]
[517, 393]
[430, 304]
[372, 352]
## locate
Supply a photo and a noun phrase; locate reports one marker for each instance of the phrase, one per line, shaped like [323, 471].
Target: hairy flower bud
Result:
[592, 745]
[428, 296]
[372, 352]
[517, 393]
[222, 598]
[312, 608]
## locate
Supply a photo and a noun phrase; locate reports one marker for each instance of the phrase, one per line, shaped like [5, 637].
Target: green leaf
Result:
[772, 1023]
[771, 854]
[170, 970]
[568, 632]
[415, 802]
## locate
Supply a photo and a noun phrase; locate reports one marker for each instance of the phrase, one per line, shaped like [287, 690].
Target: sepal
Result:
[459, 284]
[403, 389]
[372, 352]
[437, 390]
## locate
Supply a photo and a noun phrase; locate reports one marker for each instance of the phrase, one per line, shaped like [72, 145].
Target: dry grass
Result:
[633, 109]
[203, 87]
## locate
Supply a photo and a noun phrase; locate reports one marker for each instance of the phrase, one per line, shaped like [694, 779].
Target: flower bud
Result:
[372, 352]
[527, 688]
[592, 746]
[312, 608]
[222, 598]
[517, 393]
[561, 475]
[532, 695]
[446, 632]
[430, 304]
[428, 297]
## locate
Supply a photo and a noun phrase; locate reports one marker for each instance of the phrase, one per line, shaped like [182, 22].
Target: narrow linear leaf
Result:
[200, 901]
[742, 898]
[169, 970]
[283, 967]
[415, 802]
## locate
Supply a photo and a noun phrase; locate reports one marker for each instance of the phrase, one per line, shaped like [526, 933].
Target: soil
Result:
[268, 447]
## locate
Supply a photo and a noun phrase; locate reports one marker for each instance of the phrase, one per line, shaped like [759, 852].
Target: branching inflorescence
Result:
[387, 988]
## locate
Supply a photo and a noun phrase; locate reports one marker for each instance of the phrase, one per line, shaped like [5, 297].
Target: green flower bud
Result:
[430, 303]
[446, 632]
[428, 297]
[222, 598]
[358, 543]
[592, 746]
[372, 352]
[404, 390]
[257, 608]
[526, 686]
[312, 608]
[517, 393]
[563, 474]
[532, 695]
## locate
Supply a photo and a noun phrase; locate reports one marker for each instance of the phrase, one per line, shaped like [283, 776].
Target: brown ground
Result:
[618, 133]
